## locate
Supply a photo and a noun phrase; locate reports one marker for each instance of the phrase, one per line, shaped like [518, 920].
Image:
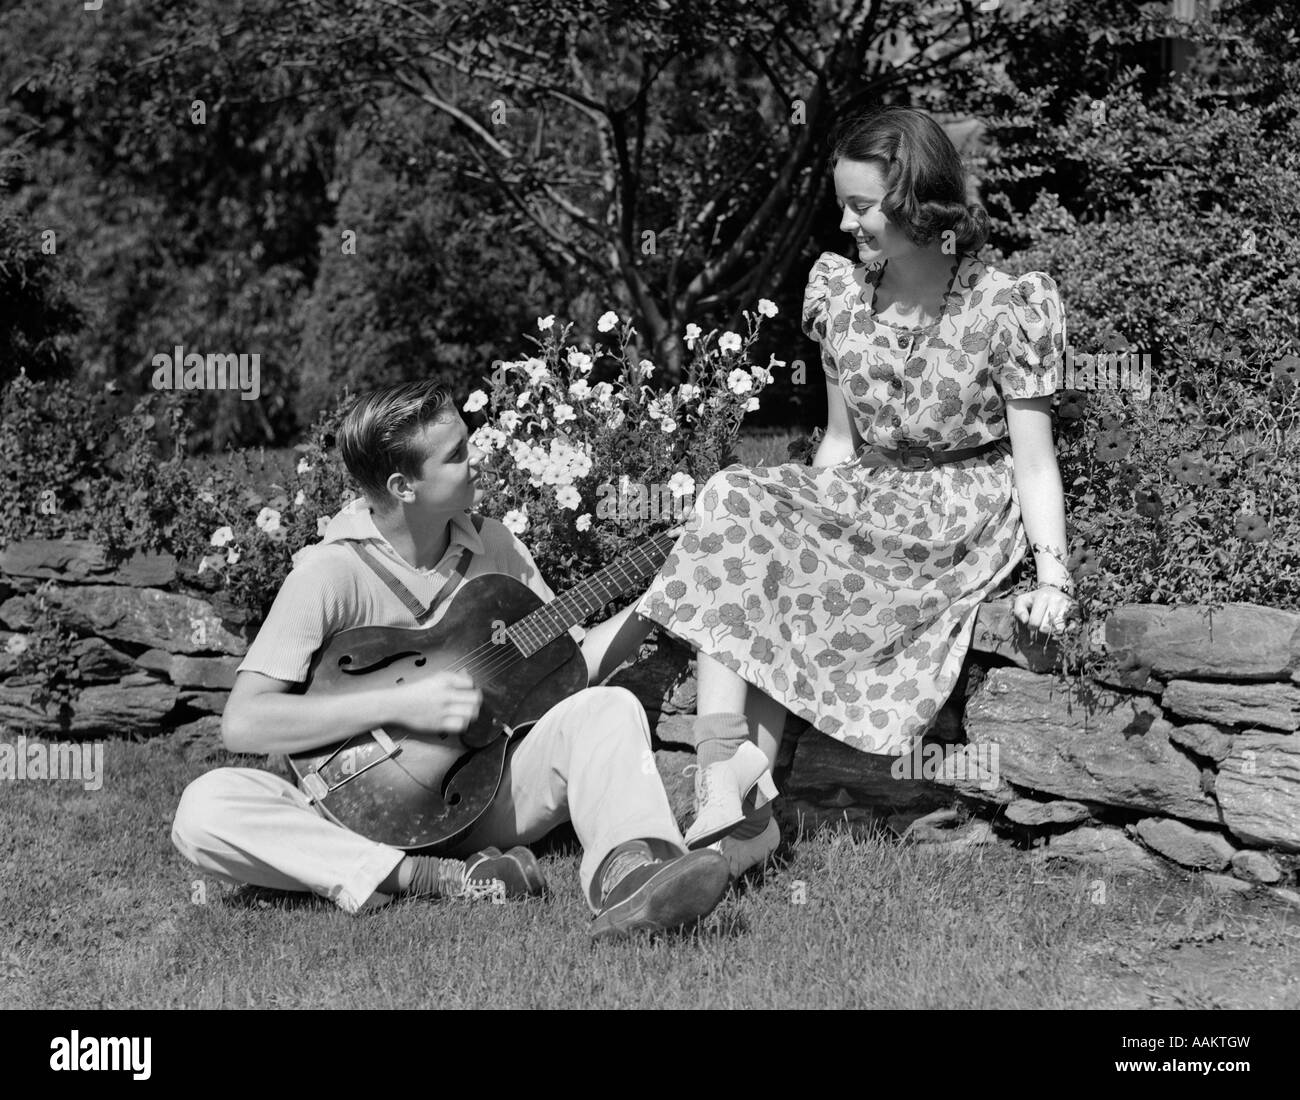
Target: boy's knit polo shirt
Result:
[331, 589]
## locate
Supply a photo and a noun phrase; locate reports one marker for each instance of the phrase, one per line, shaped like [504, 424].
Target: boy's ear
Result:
[397, 484]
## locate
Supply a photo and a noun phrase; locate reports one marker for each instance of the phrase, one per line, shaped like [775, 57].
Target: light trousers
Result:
[587, 760]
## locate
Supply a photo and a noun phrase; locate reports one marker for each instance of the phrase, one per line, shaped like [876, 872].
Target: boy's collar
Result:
[354, 521]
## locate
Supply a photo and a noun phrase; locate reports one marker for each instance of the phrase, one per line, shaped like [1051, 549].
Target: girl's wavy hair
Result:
[925, 183]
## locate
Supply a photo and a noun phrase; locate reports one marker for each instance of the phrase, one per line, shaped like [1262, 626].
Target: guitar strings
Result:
[509, 658]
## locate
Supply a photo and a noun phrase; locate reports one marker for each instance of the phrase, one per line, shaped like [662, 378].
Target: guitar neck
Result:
[547, 623]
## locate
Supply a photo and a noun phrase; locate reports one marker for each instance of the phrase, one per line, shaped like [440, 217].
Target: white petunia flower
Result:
[579, 361]
[583, 522]
[18, 643]
[762, 375]
[268, 519]
[523, 399]
[488, 438]
[545, 323]
[740, 381]
[516, 521]
[647, 367]
[568, 497]
[668, 425]
[303, 465]
[687, 392]
[603, 392]
[233, 556]
[221, 536]
[767, 307]
[751, 404]
[729, 342]
[509, 420]
[654, 410]
[681, 484]
[475, 401]
[580, 390]
[564, 413]
[607, 321]
[537, 370]
[692, 334]
[300, 499]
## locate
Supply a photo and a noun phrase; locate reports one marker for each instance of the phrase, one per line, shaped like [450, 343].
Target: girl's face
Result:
[859, 189]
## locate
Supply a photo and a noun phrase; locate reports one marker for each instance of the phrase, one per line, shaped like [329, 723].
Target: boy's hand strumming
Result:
[446, 702]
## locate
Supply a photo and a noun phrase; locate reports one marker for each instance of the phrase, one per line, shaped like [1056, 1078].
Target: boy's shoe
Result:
[490, 875]
[742, 855]
[661, 894]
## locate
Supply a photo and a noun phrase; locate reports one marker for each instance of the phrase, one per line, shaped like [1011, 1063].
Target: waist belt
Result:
[915, 456]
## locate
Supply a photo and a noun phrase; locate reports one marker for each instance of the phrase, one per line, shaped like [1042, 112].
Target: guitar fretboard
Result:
[547, 623]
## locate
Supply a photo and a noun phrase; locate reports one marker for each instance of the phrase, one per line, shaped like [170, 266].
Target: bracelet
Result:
[1049, 584]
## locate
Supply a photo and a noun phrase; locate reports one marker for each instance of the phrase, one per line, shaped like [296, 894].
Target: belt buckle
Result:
[908, 451]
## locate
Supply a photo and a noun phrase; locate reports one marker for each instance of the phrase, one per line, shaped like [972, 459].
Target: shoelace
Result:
[703, 781]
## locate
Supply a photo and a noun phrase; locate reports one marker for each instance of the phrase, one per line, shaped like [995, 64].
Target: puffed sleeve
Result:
[825, 281]
[1034, 341]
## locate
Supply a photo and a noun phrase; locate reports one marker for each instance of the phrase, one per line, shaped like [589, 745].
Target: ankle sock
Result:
[624, 858]
[718, 737]
[431, 875]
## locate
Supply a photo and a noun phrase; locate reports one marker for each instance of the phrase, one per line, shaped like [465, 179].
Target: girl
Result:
[846, 592]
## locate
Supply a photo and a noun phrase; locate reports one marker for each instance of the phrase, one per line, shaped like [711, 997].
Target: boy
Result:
[408, 450]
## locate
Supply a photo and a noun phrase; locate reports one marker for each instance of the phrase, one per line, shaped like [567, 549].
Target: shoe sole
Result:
[695, 843]
[681, 894]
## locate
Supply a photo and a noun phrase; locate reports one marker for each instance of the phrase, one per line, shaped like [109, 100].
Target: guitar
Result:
[424, 791]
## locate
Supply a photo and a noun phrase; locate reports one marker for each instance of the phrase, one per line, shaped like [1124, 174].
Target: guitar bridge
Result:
[317, 788]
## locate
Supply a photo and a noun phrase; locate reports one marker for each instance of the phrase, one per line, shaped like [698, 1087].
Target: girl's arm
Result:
[842, 440]
[1042, 506]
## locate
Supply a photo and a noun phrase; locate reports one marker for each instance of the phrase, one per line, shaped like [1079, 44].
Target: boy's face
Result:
[448, 480]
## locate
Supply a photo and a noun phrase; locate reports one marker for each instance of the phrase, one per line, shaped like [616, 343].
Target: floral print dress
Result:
[849, 593]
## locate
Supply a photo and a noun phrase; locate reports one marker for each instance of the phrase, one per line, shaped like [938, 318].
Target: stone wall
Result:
[1189, 748]
[154, 652]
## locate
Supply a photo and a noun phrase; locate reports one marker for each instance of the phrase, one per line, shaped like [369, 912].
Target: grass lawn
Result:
[98, 911]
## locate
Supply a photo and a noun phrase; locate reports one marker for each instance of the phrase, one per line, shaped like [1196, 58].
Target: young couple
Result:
[845, 592]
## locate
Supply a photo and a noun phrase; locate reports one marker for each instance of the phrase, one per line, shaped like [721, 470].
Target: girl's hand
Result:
[1044, 608]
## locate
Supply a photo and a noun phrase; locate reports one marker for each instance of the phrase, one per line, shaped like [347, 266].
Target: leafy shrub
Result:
[243, 539]
[70, 469]
[1188, 205]
[53, 445]
[45, 656]
[1191, 496]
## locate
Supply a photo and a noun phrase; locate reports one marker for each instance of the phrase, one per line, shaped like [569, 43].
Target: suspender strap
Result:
[408, 599]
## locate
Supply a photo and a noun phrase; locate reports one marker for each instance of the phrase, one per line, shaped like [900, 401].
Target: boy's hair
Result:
[378, 436]
[925, 183]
